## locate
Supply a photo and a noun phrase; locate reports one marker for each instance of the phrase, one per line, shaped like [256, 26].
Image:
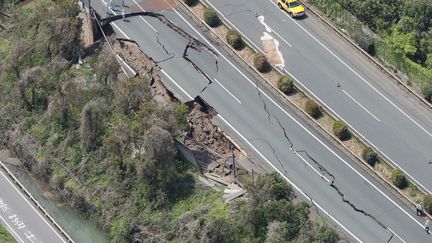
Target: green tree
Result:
[427, 204]
[369, 156]
[341, 131]
[211, 17]
[398, 178]
[285, 84]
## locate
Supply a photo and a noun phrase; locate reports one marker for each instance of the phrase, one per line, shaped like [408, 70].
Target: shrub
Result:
[261, 63]
[341, 131]
[398, 179]
[211, 17]
[285, 84]
[427, 204]
[312, 108]
[427, 92]
[234, 39]
[190, 2]
[369, 156]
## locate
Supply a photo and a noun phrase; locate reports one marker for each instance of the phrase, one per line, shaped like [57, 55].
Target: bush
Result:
[211, 17]
[261, 63]
[427, 92]
[312, 108]
[190, 2]
[427, 204]
[285, 84]
[341, 131]
[398, 179]
[369, 156]
[234, 39]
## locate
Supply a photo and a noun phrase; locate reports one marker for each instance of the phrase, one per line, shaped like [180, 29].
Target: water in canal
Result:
[79, 229]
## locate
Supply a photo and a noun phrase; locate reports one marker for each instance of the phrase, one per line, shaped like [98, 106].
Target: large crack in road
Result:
[324, 171]
[195, 44]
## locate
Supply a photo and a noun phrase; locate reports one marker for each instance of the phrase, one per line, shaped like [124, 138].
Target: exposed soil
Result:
[209, 144]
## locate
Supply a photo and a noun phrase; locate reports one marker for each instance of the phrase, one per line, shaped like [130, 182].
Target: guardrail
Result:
[36, 203]
[370, 57]
[396, 191]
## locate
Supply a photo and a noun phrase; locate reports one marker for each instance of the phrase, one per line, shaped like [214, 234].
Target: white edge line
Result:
[11, 229]
[127, 65]
[291, 118]
[361, 135]
[310, 133]
[178, 86]
[286, 178]
[358, 103]
[313, 168]
[227, 91]
[31, 205]
[151, 26]
[358, 75]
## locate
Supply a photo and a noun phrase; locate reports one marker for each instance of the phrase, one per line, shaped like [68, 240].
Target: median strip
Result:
[303, 101]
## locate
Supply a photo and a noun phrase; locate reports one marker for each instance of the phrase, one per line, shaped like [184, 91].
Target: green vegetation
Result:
[211, 17]
[285, 84]
[427, 204]
[234, 39]
[261, 63]
[398, 179]
[403, 28]
[5, 237]
[107, 148]
[340, 130]
[369, 156]
[190, 3]
[312, 108]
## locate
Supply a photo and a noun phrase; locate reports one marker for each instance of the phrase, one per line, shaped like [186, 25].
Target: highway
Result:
[264, 126]
[20, 217]
[387, 117]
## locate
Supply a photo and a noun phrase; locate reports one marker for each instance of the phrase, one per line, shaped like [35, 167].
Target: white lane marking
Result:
[360, 134]
[127, 65]
[121, 31]
[364, 108]
[178, 86]
[227, 91]
[316, 97]
[297, 122]
[139, 6]
[151, 26]
[358, 75]
[286, 178]
[313, 168]
[31, 205]
[106, 4]
[253, 84]
[11, 229]
[400, 238]
[235, 27]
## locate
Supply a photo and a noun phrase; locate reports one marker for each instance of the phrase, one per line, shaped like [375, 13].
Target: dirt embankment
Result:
[210, 146]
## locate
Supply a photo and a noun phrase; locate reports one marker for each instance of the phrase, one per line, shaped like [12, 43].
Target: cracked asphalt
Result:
[190, 65]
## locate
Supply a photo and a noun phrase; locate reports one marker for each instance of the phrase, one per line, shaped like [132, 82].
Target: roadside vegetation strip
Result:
[351, 140]
[5, 236]
[382, 53]
[36, 203]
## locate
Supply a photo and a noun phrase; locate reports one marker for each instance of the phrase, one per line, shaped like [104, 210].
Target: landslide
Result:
[105, 143]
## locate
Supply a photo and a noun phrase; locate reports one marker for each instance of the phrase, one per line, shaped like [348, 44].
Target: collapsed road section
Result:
[240, 109]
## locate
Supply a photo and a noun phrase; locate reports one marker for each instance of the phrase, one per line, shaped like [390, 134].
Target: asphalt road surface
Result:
[369, 101]
[267, 128]
[20, 217]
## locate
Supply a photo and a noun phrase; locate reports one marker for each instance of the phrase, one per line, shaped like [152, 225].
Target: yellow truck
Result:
[293, 7]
